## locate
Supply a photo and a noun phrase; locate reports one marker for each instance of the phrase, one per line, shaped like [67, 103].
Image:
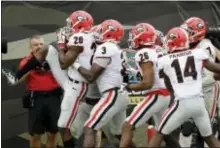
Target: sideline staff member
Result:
[42, 99]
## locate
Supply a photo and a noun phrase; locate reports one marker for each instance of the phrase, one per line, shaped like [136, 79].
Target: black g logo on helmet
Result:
[171, 36]
[80, 18]
[200, 25]
[111, 28]
[140, 29]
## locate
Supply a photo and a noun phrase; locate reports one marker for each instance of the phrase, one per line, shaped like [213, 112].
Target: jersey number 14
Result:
[189, 69]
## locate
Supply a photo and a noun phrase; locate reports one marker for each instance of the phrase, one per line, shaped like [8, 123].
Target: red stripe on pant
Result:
[107, 100]
[166, 113]
[146, 102]
[216, 91]
[74, 110]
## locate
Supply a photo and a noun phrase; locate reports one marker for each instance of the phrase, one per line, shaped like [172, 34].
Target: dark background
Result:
[20, 20]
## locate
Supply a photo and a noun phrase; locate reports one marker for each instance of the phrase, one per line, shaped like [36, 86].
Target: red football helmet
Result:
[80, 21]
[196, 27]
[176, 39]
[110, 30]
[142, 34]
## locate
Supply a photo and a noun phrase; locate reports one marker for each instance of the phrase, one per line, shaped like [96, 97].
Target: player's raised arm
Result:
[68, 58]
[213, 34]
[217, 54]
[92, 74]
[207, 63]
[217, 77]
[214, 67]
[75, 47]
[101, 60]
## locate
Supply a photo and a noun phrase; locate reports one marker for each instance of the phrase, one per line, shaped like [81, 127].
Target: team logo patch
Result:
[200, 25]
[171, 36]
[111, 28]
[80, 18]
[140, 29]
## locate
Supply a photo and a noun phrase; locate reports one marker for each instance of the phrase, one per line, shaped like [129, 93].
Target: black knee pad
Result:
[187, 128]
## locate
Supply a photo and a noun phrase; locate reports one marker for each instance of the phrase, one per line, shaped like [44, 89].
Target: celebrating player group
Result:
[177, 74]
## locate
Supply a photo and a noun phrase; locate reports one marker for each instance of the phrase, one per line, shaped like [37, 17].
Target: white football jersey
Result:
[207, 75]
[111, 76]
[150, 55]
[85, 40]
[207, 45]
[185, 72]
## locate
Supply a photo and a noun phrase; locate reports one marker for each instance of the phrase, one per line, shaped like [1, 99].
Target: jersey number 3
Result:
[189, 69]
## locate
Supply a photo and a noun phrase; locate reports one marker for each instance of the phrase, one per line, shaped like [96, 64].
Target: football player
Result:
[197, 29]
[106, 71]
[85, 107]
[142, 38]
[77, 48]
[184, 67]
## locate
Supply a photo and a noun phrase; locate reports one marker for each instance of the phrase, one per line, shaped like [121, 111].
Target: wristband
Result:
[76, 65]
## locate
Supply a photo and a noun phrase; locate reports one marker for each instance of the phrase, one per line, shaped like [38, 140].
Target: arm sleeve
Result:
[105, 50]
[208, 47]
[30, 64]
[22, 63]
[103, 62]
[201, 54]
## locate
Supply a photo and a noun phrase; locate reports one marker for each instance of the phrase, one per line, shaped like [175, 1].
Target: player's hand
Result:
[76, 65]
[61, 38]
[123, 87]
